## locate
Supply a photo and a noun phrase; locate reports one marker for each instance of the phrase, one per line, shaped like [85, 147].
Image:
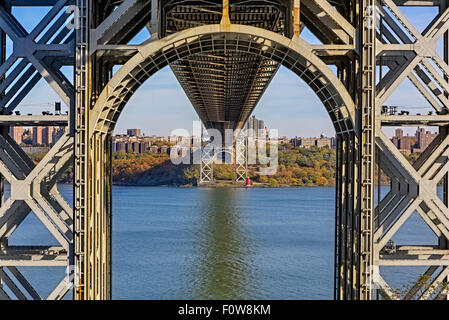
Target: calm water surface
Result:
[223, 243]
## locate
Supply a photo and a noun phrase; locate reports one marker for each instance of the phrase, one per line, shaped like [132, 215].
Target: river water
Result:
[220, 243]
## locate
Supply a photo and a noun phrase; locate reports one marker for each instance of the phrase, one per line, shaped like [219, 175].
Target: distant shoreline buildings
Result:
[38, 139]
[320, 142]
[134, 141]
[413, 144]
[36, 136]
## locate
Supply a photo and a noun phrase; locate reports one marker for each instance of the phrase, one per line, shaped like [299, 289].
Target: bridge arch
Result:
[93, 152]
[293, 54]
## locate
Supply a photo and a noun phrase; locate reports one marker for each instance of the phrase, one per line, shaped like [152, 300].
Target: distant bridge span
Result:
[224, 54]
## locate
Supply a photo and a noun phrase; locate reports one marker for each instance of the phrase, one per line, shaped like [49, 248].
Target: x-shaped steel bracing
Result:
[413, 55]
[35, 55]
[33, 188]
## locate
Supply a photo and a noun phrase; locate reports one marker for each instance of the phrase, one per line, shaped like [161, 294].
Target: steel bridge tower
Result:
[224, 54]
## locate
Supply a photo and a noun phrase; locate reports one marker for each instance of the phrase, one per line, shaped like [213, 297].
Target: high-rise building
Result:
[256, 128]
[413, 144]
[47, 135]
[423, 139]
[403, 143]
[57, 134]
[121, 146]
[143, 146]
[323, 142]
[135, 147]
[17, 134]
[134, 132]
[37, 136]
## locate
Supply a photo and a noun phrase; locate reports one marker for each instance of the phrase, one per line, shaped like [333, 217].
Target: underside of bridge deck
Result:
[224, 88]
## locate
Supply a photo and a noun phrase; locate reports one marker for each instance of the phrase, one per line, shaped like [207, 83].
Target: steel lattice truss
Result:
[207, 158]
[241, 156]
[35, 55]
[408, 53]
[224, 70]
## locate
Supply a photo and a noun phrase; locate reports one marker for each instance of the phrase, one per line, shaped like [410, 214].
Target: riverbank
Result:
[297, 167]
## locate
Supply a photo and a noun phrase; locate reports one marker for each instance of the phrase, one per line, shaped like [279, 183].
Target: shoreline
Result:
[228, 185]
[220, 184]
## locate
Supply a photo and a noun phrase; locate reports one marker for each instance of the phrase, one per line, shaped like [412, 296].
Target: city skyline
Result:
[255, 126]
[134, 141]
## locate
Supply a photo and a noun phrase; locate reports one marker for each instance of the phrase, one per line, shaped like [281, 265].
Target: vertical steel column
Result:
[367, 41]
[241, 156]
[296, 17]
[92, 171]
[81, 190]
[4, 242]
[207, 158]
[99, 238]
[347, 282]
[443, 241]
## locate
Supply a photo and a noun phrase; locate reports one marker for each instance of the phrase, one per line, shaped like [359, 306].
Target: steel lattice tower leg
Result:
[82, 76]
[207, 159]
[241, 157]
[367, 120]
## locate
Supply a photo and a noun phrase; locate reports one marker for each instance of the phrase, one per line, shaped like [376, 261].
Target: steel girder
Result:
[38, 54]
[408, 53]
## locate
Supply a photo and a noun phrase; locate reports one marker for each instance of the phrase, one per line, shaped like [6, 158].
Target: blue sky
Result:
[161, 106]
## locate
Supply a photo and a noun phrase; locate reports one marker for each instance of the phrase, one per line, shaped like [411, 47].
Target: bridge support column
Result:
[241, 157]
[93, 182]
[207, 159]
[355, 168]
[348, 34]
[347, 219]
[367, 120]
